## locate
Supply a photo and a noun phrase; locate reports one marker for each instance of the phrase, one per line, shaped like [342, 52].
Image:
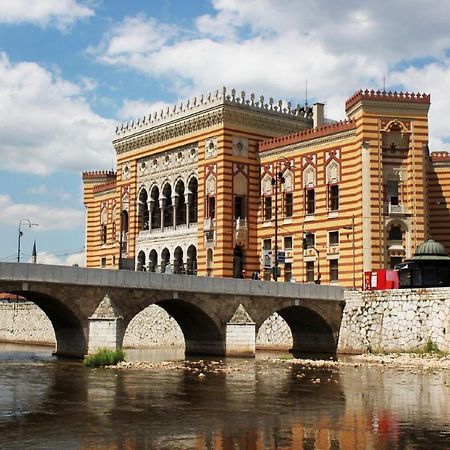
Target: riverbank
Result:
[416, 362]
[420, 361]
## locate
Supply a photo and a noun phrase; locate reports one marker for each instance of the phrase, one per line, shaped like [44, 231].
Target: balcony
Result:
[208, 224]
[396, 209]
[240, 224]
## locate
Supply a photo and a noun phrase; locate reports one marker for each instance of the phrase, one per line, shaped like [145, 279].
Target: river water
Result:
[260, 404]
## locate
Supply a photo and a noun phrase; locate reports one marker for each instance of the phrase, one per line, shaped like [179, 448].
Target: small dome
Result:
[430, 248]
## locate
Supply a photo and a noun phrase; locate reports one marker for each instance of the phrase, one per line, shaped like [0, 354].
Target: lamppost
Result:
[21, 222]
[123, 216]
[352, 227]
[278, 179]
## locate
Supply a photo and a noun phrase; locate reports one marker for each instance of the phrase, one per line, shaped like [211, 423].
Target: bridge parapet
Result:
[23, 272]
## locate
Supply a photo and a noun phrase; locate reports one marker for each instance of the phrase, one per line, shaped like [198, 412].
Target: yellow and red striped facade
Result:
[217, 180]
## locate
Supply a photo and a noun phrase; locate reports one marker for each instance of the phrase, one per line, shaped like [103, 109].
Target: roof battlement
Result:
[389, 96]
[307, 135]
[99, 175]
[440, 156]
[202, 103]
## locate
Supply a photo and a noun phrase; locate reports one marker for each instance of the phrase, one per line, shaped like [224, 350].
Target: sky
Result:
[72, 70]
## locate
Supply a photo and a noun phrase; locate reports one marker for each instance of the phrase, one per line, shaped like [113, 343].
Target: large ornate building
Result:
[227, 186]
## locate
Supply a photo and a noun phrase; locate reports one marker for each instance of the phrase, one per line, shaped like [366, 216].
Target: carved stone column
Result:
[151, 206]
[162, 207]
[188, 207]
[174, 210]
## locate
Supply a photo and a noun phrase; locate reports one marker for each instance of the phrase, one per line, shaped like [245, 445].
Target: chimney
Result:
[318, 115]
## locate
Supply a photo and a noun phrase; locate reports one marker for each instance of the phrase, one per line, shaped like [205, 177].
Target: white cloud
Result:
[65, 260]
[47, 217]
[436, 78]
[132, 109]
[134, 36]
[46, 124]
[58, 13]
[261, 47]
[42, 190]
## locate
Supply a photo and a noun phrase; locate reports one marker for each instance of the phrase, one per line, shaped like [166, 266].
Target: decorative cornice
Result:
[307, 135]
[104, 187]
[206, 112]
[386, 96]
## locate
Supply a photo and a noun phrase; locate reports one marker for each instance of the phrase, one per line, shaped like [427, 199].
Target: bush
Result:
[431, 347]
[104, 357]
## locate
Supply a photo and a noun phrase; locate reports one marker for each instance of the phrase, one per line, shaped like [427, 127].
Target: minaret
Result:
[34, 254]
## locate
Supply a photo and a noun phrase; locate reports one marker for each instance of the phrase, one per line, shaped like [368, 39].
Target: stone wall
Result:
[25, 322]
[395, 320]
[152, 327]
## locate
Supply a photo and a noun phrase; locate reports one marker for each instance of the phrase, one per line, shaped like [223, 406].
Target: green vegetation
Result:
[104, 357]
[431, 347]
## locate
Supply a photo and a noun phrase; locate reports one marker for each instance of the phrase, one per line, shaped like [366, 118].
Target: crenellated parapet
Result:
[99, 173]
[99, 176]
[386, 96]
[197, 104]
[306, 135]
[209, 111]
[440, 156]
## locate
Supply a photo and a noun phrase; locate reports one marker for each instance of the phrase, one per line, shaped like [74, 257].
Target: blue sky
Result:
[71, 70]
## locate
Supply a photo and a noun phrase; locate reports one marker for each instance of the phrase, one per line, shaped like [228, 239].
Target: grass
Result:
[430, 348]
[104, 357]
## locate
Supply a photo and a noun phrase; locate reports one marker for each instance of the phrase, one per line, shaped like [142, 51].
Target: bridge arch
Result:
[311, 333]
[314, 326]
[202, 334]
[70, 327]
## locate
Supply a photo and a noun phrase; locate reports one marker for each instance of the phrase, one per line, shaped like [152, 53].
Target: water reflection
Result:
[46, 403]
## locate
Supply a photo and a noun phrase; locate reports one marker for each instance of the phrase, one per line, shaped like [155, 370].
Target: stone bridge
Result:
[91, 308]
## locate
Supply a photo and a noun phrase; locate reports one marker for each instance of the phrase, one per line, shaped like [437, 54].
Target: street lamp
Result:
[22, 222]
[352, 227]
[278, 179]
[123, 217]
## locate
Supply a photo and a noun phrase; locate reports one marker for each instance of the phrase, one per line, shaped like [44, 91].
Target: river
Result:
[258, 404]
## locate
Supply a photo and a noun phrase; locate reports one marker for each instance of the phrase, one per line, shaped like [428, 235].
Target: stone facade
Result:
[395, 320]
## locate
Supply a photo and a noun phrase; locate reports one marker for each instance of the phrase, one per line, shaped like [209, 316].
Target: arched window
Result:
[155, 208]
[165, 261]
[238, 262]
[193, 199]
[140, 266]
[178, 264]
[143, 212]
[168, 209]
[104, 224]
[191, 263]
[152, 261]
[180, 207]
[395, 233]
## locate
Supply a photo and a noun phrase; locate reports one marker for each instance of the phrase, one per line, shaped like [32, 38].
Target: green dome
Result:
[431, 250]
